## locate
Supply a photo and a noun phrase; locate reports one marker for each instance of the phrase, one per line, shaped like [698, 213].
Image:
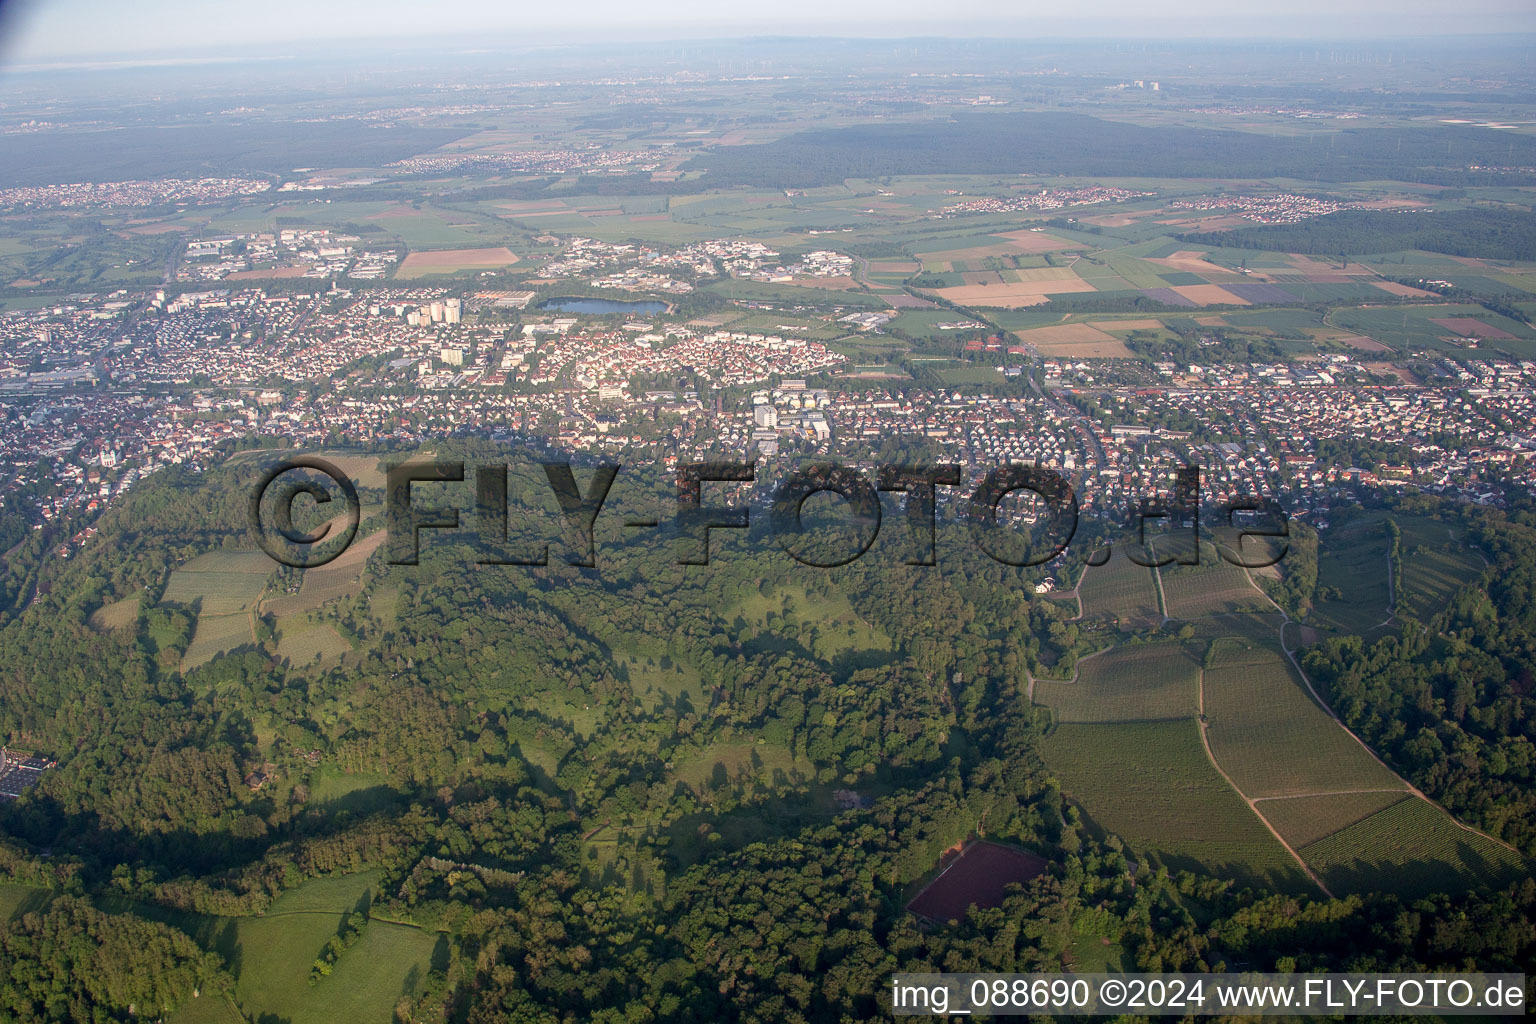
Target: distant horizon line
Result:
[554, 41]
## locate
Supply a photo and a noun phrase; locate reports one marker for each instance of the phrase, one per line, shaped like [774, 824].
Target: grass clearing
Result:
[273, 954]
[207, 1008]
[835, 628]
[740, 764]
[17, 899]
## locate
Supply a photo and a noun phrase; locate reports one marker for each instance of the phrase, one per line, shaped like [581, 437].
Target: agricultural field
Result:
[220, 582]
[1352, 577]
[451, 261]
[215, 635]
[1302, 820]
[117, 615]
[1194, 593]
[1122, 590]
[313, 644]
[1132, 683]
[1151, 784]
[1074, 341]
[1411, 847]
[1270, 737]
[1409, 328]
[1434, 567]
[335, 579]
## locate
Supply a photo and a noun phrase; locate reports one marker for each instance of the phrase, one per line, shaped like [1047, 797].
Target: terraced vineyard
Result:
[1411, 847]
[304, 645]
[1214, 587]
[216, 634]
[1151, 784]
[220, 582]
[117, 615]
[1270, 736]
[1301, 820]
[1434, 567]
[1122, 590]
[1127, 684]
[1352, 563]
[328, 582]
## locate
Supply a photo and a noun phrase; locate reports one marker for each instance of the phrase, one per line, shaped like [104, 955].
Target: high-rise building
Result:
[452, 311]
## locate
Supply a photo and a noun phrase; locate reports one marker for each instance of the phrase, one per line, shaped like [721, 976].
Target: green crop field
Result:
[1151, 784]
[1302, 820]
[1213, 587]
[1122, 590]
[1352, 560]
[1268, 734]
[214, 635]
[1140, 682]
[302, 646]
[216, 586]
[1411, 848]
[1434, 566]
[1413, 327]
[117, 615]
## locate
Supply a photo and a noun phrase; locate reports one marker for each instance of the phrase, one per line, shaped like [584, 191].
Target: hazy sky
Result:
[41, 30]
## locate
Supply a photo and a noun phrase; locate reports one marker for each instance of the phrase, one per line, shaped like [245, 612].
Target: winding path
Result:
[1285, 620]
[1253, 806]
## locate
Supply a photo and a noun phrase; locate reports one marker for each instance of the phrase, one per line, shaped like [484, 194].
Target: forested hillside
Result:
[638, 793]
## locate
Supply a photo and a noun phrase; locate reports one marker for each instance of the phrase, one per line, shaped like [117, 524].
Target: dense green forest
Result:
[1450, 701]
[501, 722]
[1052, 143]
[1485, 233]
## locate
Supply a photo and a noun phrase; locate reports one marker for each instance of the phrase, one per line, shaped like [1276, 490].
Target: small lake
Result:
[603, 306]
